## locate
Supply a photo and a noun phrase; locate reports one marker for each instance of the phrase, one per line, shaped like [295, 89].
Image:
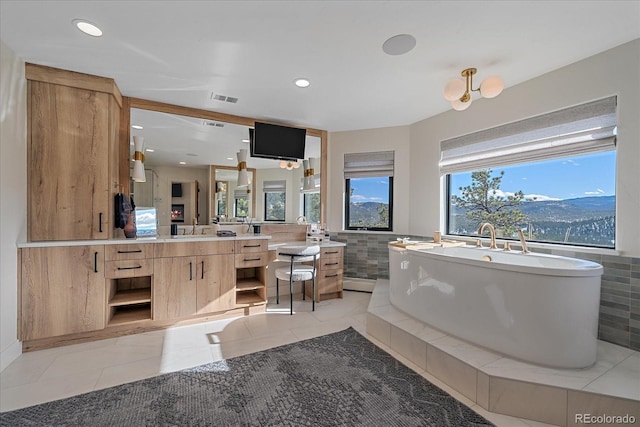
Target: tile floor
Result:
[61, 372]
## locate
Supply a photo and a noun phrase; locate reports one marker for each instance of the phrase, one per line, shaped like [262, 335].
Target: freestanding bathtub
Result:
[534, 307]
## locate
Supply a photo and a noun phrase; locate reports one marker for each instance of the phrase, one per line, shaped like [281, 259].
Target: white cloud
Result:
[536, 197]
[571, 162]
[594, 193]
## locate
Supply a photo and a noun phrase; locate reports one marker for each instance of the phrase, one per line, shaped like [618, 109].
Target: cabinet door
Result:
[68, 158]
[216, 283]
[174, 287]
[63, 291]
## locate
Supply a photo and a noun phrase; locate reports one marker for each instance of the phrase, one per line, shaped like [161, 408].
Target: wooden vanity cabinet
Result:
[62, 291]
[72, 154]
[252, 257]
[129, 274]
[329, 275]
[193, 278]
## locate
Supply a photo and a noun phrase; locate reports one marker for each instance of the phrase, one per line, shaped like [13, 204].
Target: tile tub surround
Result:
[367, 257]
[503, 385]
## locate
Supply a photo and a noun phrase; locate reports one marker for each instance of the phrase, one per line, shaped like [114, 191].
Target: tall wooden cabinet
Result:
[62, 291]
[72, 154]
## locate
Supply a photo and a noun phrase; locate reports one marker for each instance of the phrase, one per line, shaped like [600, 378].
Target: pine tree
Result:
[483, 202]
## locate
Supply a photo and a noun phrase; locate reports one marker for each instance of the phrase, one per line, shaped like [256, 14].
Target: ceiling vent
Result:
[217, 97]
[213, 124]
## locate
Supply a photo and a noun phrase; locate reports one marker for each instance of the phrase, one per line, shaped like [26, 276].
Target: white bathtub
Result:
[534, 307]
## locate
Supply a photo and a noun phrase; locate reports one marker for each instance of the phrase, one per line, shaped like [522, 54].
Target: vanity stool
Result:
[296, 271]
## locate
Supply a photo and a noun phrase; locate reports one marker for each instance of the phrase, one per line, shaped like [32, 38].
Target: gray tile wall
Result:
[367, 257]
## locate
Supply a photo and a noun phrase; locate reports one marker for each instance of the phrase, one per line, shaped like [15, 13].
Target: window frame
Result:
[448, 189]
[347, 201]
[265, 206]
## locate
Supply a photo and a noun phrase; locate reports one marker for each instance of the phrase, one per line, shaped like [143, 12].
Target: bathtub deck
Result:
[507, 386]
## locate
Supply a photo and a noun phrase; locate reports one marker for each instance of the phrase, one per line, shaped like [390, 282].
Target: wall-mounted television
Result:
[277, 142]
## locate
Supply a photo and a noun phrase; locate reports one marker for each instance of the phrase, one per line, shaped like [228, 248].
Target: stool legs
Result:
[291, 289]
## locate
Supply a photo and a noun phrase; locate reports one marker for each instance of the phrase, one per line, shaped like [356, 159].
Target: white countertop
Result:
[159, 239]
[329, 244]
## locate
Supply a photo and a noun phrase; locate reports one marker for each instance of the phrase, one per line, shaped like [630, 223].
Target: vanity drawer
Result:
[329, 281]
[191, 248]
[331, 253]
[329, 263]
[132, 251]
[128, 268]
[257, 259]
[250, 246]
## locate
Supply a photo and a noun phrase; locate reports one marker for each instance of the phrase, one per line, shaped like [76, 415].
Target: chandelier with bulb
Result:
[289, 165]
[458, 91]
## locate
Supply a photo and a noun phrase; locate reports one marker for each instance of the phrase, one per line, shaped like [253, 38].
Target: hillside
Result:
[584, 220]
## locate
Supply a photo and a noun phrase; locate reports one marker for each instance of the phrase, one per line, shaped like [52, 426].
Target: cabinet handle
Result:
[251, 246]
[129, 268]
[95, 262]
[332, 263]
[331, 252]
[190, 270]
[331, 275]
[202, 271]
[252, 259]
[100, 222]
[130, 252]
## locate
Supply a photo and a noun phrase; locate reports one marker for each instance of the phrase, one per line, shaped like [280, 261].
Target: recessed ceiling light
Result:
[229, 158]
[149, 150]
[245, 140]
[183, 163]
[137, 127]
[87, 27]
[302, 82]
[399, 45]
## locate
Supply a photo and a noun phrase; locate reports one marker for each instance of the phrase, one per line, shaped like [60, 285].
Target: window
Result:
[311, 207]
[556, 187]
[369, 191]
[274, 200]
[241, 203]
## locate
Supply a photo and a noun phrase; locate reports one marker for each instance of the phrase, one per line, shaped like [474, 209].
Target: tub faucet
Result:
[492, 233]
[523, 242]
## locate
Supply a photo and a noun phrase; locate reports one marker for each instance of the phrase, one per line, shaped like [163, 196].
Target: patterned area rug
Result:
[341, 379]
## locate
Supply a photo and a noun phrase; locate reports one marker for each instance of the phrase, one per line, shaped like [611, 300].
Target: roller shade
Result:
[583, 129]
[279, 186]
[240, 193]
[364, 165]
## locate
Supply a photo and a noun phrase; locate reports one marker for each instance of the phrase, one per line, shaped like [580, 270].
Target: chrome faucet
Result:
[523, 242]
[492, 232]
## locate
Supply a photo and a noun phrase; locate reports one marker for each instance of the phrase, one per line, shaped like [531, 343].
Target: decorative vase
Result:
[130, 227]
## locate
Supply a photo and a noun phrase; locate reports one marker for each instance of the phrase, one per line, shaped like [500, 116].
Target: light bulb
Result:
[491, 87]
[454, 89]
[459, 105]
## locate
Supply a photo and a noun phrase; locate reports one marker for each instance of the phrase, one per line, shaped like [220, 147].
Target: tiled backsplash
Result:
[367, 257]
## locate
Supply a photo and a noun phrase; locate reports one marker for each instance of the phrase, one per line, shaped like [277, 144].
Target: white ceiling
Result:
[180, 52]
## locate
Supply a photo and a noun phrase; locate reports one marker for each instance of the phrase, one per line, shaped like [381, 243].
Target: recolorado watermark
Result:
[604, 419]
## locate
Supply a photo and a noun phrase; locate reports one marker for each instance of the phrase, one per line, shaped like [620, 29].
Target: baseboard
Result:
[356, 284]
[10, 354]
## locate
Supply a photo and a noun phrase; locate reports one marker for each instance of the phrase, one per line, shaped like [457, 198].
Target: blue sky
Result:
[370, 190]
[568, 178]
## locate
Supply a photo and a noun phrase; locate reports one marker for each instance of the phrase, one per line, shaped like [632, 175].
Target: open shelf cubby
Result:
[129, 300]
[251, 286]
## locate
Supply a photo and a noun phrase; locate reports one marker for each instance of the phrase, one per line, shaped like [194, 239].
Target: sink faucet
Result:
[492, 232]
[193, 230]
[523, 242]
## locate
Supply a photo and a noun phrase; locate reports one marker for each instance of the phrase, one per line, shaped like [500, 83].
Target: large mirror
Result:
[191, 170]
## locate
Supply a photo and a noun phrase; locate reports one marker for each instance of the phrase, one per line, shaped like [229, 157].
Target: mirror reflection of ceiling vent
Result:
[218, 97]
[213, 124]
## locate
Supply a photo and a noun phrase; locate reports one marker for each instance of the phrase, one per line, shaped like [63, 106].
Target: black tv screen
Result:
[277, 142]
